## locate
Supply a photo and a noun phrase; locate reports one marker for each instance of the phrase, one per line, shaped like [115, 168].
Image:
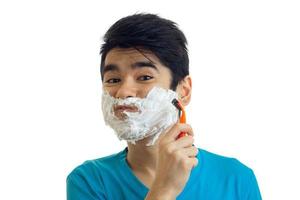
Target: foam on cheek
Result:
[155, 114]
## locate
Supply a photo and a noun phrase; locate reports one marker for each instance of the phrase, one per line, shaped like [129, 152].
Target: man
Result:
[145, 66]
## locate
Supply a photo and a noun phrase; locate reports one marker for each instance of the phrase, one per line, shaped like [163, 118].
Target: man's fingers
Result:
[186, 141]
[191, 151]
[173, 133]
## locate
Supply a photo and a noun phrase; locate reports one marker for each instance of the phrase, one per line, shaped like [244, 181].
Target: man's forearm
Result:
[156, 194]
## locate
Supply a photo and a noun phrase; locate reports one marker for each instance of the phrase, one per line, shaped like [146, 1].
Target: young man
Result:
[145, 66]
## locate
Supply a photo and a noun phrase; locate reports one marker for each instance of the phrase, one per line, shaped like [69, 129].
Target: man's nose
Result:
[127, 89]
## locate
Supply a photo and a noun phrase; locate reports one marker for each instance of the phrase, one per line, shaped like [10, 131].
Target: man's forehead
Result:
[130, 55]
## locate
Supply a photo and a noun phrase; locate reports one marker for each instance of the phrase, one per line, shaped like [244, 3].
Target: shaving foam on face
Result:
[155, 113]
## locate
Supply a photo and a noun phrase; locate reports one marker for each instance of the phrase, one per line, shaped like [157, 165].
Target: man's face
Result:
[128, 73]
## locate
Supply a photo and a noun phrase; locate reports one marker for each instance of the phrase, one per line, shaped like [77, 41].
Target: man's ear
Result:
[184, 90]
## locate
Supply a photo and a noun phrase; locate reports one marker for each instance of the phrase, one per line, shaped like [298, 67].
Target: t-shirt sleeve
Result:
[251, 188]
[79, 188]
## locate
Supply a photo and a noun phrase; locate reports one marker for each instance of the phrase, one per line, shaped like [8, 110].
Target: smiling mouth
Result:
[120, 109]
[123, 108]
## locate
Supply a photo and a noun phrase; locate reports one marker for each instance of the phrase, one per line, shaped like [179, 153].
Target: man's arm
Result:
[251, 188]
[175, 161]
[158, 194]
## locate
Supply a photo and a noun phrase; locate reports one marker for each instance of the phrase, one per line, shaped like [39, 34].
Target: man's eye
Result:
[145, 78]
[113, 80]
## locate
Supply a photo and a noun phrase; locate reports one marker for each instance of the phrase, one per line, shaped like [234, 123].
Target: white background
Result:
[245, 65]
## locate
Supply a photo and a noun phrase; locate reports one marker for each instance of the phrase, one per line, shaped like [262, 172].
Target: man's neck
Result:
[143, 160]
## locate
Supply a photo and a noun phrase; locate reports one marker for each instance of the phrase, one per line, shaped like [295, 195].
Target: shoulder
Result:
[95, 167]
[228, 173]
[223, 165]
[86, 181]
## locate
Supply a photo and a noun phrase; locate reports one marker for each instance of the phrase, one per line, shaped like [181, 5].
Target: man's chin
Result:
[145, 141]
[140, 142]
[121, 116]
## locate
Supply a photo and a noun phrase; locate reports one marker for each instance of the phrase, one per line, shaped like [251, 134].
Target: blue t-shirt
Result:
[214, 178]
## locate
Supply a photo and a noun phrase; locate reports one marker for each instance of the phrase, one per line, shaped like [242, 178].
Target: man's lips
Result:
[122, 108]
[119, 110]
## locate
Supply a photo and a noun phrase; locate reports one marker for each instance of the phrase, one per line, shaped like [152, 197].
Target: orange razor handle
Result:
[182, 118]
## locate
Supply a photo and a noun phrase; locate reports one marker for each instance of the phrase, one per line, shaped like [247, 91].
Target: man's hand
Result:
[176, 159]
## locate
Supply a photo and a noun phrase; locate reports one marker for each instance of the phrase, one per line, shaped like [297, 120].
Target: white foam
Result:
[155, 114]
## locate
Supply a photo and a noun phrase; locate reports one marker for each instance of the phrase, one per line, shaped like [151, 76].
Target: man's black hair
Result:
[152, 33]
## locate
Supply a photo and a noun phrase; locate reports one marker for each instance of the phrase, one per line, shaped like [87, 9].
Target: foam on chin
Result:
[155, 114]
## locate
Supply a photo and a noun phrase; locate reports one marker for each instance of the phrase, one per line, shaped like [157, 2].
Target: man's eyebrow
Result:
[144, 64]
[141, 64]
[110, 67]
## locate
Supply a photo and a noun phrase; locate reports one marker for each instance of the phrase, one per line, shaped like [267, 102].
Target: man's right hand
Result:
[176, 159]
